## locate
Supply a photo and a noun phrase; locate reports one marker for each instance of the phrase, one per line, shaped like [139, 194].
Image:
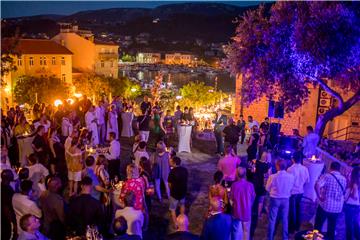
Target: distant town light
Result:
[58, 102]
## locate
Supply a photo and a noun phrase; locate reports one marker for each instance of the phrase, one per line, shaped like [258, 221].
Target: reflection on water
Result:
[224, 81]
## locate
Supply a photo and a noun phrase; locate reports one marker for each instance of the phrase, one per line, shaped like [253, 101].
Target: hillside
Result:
[181, 23]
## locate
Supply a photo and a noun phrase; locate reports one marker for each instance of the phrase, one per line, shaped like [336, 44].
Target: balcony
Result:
[107, 56]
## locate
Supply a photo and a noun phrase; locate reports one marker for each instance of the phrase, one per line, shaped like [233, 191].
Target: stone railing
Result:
[328, 159]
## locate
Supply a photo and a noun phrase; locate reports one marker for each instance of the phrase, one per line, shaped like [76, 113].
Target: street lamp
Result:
[178, 97]
[133, 90]
[77, 95]
[58, 102]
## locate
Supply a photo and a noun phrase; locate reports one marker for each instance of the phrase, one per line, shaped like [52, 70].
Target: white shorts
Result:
[74, 176]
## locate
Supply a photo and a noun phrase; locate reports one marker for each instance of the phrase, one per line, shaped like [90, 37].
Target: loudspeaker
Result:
[271, 110]
[322, 110]
[324, 94]
[276, 109]
[325, 102]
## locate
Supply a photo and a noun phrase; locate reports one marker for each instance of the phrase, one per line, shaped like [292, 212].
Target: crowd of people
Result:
[66, 169]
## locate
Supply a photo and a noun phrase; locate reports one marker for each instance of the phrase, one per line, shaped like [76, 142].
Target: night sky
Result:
[30, 8]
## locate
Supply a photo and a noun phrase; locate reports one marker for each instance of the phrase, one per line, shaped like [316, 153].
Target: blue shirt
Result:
[95, 181]
[217, 227]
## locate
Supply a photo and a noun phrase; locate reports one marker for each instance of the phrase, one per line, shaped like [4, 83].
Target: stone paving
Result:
[201, 164]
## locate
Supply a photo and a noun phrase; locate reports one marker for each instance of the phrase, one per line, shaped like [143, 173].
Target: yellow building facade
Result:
[179, 58]
[147, 57]
[90, 55]
[35, 57]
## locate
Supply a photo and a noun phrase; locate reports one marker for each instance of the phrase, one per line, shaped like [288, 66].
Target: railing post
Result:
[346, 133]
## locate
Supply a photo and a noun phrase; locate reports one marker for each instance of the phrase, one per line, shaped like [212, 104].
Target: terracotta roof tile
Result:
[35, 46]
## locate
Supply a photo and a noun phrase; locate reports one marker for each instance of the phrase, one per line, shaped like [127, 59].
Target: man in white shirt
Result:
[100, 115]
[311, 140]
[301, 176]
[22, 203]
[252, 123]
[91, 125]
[279, 186]
[113, 156]
[134, 218]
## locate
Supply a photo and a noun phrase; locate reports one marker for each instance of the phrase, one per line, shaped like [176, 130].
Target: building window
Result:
[19, 62]
[102, 64]
[111, 64]
[62, 61]
[53, 62]
[44, 60]
[41, 60]
[31, 61]
[63, 77]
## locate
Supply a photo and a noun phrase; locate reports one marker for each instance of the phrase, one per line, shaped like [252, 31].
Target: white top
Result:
[138, 155]
[134, 219]
[301, 176]
[37, 171]
[46, 125]
[114, 150]
[100, 114]
[253, 123]
[66, 127]
[89, 119]
[280, 184]
[310, 143]
[23, 205]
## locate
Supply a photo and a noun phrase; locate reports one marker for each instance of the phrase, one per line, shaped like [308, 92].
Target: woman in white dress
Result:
[112, 123]
[127, 119]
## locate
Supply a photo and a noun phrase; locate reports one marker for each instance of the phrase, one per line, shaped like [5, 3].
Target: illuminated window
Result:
[41, 60]
[19, 62]
[53, 61]
[102, 64]
[31, 61]
[63, 77]
[62, 61]
[44, 60]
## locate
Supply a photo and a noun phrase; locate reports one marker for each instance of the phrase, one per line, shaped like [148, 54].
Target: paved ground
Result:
[201, 164]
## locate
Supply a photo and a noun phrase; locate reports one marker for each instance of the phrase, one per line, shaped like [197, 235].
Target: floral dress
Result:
[137, 186]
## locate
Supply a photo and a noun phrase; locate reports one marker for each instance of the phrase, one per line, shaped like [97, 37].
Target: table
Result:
[184, 132]
[315, 169]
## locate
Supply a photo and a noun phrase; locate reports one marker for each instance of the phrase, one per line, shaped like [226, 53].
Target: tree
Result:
[124, 87]
[197, 94]
[48, 89]
[281, 52]
[92, 85]
[99, 86]
[8, 51]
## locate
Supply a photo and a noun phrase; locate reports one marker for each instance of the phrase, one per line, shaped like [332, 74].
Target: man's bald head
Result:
[183, 223]
[54, 184]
